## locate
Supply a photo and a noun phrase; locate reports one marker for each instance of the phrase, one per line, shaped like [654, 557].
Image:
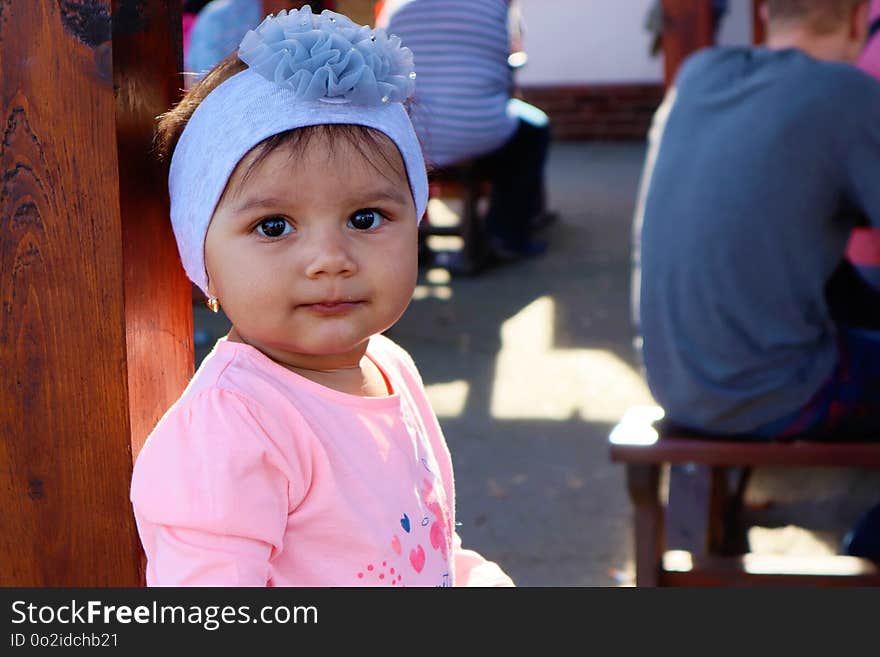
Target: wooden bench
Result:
[640, 443]
[470, 181]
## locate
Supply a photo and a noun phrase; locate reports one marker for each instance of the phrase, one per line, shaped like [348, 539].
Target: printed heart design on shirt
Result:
[395, 544]
[404, 522]
[417, 558]
[437, 537]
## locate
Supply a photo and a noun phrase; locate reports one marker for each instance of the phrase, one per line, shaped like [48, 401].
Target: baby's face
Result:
[313, 252]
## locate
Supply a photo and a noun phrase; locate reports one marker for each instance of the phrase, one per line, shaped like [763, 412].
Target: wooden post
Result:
[759, 30]
[360, 11]
[687, 27]
[96, 324]
[643, 484]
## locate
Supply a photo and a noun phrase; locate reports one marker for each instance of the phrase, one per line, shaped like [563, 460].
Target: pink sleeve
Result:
[472, 569]
[210, 492]
[870, 57]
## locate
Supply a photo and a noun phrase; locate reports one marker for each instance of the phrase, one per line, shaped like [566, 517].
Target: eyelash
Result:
[262, 221]
[375, 211]
[378, 213]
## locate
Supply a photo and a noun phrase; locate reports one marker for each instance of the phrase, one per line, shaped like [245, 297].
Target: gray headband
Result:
[304, 70]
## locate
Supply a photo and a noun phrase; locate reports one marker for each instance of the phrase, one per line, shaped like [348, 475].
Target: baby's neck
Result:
[363, 380]
[353, 374]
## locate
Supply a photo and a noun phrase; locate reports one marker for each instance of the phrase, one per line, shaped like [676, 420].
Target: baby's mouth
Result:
[332, 306]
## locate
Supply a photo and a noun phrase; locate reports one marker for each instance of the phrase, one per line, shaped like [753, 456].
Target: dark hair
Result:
[194, 6]
[820, 16]
[172, 122]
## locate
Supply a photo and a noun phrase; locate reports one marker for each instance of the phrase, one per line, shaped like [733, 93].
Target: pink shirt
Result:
[257, 476]
[870, 60]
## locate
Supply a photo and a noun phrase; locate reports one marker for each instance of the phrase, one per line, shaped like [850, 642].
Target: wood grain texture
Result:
[147, 54]
[65, 405]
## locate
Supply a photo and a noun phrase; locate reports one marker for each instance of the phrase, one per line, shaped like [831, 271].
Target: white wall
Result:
[601, 41]
[736, 28]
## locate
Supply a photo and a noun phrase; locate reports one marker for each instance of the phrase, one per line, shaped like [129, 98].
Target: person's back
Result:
[764, 166]
[464, 81]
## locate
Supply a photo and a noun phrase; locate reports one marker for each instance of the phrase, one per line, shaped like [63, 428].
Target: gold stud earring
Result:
[213, 303]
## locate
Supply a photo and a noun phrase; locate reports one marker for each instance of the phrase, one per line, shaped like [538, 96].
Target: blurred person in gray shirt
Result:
[762, 161]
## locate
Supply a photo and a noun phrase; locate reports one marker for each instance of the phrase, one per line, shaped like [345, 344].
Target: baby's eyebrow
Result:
[379, 194]
[386, 194]
[262, 202]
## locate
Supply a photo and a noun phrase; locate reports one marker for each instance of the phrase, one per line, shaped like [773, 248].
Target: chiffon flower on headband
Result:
[329, 58]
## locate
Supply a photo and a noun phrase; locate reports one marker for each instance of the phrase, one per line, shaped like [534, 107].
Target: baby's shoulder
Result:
[235, 376]
[209, 453]
[214, 434]
[217, 420]
[230, 403]
[390, 355]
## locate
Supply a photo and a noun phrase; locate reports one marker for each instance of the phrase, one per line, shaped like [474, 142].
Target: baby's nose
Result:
[329, 255]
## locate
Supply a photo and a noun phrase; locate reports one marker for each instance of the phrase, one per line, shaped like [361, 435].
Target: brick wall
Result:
[612, 112]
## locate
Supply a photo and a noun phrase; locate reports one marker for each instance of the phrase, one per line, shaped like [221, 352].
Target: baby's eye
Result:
[274, 227]
[366, 219]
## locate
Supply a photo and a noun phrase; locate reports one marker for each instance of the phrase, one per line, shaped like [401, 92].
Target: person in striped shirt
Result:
[464, 107]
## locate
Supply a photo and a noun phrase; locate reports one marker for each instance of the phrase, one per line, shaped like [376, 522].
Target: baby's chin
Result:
[324, 346]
